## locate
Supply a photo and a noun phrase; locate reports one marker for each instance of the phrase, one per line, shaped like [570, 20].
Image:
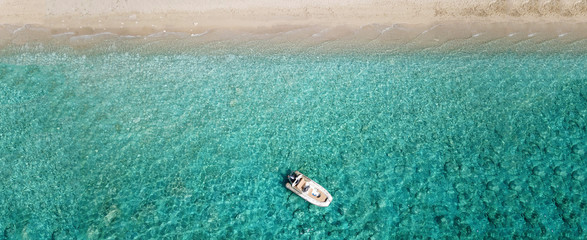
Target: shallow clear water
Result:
[127, 145]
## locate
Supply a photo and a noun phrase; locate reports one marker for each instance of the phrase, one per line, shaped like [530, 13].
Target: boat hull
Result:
[306, 195]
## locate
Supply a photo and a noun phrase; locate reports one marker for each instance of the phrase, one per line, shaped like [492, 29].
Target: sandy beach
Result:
[25, 21]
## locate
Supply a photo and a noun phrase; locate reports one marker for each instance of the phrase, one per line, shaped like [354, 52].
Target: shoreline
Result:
[504, 36]
[344, 23]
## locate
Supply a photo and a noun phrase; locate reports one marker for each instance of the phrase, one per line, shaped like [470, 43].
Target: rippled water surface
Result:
[123, 144]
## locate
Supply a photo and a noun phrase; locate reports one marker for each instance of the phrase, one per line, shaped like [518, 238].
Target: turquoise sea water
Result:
[128, 145]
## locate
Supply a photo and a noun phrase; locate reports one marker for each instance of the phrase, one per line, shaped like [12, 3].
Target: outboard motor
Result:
[291, 178]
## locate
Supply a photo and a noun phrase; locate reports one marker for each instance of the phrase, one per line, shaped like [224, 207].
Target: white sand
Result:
[340, 17]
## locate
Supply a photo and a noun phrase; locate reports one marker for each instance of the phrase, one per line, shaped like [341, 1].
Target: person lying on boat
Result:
[315, 193]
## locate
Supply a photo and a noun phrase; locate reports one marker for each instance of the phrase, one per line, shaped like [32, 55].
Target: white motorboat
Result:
[308, 189]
